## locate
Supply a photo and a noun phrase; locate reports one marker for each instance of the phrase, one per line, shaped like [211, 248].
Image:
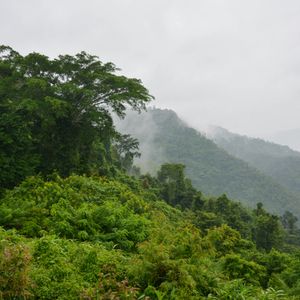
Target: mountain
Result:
[279, 162]
[165, 138]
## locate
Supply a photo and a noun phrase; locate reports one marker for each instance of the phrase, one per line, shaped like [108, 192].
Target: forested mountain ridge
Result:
[164, 137]
[279, 162]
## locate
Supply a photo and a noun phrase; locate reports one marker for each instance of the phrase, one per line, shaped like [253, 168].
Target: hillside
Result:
[279, 162]
[99, 238]
[165, 138]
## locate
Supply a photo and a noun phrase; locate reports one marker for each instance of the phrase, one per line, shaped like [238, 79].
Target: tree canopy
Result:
[56, 114]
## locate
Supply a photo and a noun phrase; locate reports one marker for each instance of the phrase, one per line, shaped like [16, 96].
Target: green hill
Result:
[165, 138]
[279, 162]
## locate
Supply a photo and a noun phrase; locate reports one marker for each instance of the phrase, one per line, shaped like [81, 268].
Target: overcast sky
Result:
[233, 63]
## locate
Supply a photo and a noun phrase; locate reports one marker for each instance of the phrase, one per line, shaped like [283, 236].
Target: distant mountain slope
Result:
[279, 162]
[165, 138]
[287, 137]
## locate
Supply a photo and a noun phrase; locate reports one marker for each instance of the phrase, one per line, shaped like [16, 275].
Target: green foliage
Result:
[93, 237]
[65, 269]
[236, 267]
[276, 262]
[15, 258]
[78, 208]
[227, 240]
[110, 288]
[164, 138]
[278, 161]
[76, 237]
[16, 157]
[267, 232]
[289, 221]
[173, 262]
[291, 275]
[126, 149]
[56, 113]
[230, 213]
[175, 188]
[237, 290]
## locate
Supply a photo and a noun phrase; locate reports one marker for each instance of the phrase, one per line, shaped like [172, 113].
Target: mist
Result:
[142, 127]
[234, 64]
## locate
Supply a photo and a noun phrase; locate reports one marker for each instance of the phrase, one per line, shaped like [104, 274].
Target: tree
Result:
[176, 189]
[231, 213]
[267, 232]
[289, 221]
[126, 148]
[61, 112]
[171, 177]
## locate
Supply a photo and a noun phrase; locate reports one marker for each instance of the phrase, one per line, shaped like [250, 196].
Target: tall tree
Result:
[61, 112]
[267, 232]
[289, 221]
[176, 189]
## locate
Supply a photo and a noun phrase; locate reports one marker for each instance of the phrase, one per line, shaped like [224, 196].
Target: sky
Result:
[232, 63]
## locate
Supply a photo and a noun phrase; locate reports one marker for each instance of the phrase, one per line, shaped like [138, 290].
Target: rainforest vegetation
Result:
[165, 138]
[279, 162]
[79, 221]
